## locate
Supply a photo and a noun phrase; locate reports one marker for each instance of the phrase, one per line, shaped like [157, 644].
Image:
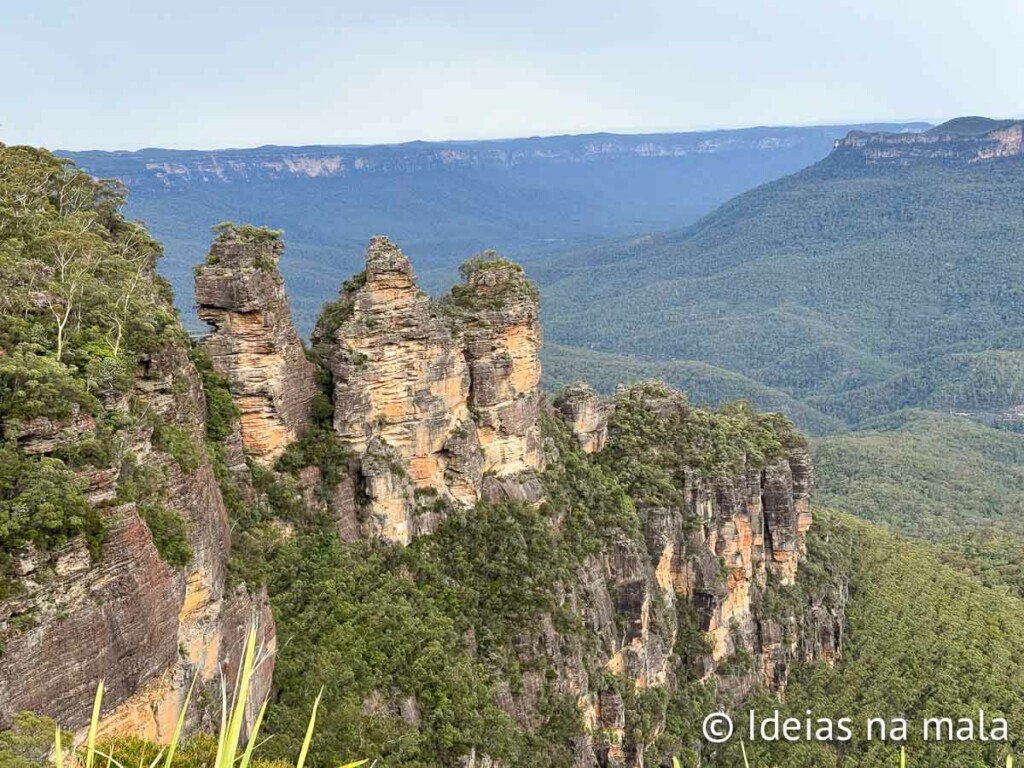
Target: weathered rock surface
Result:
[143, 626]
[586, 415]
[713, 557]
[241, 294]
[963, 140]
[434, 397]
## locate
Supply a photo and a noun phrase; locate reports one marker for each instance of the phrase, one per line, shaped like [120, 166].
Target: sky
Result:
[126, 74]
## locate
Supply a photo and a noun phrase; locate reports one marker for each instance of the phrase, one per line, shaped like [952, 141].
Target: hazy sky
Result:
[123, 74]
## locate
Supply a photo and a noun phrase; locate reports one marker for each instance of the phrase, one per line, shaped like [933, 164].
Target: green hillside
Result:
[938, 477]
[922, 641]
[703, 383]
[848, 277]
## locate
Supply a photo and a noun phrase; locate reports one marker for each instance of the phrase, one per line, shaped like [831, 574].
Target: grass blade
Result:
[94, 724]
[357, 763]
[309, 731]
[743, 749]
[247, 755]
[903, 757]
[57, 748]
[234, 729]
[178, 726]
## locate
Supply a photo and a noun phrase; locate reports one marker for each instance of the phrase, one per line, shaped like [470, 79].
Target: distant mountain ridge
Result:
[885, 276]
[446, 200]
[963, 139]
[169, 167]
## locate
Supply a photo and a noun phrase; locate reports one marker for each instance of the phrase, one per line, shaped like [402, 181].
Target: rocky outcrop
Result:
[500, 316]
[439, 397]
[586, 415]
[963, 140]
[241, 295]
[143, 626]
[715, 556]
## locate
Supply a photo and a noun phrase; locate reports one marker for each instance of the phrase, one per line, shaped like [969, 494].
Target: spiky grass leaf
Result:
[57, 748]
[309, 731]
[228, 747]
[251, 745]
[94, 725]
[178, 726]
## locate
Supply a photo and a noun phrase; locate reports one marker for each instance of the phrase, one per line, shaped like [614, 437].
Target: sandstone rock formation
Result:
[713, 556]
[240, 293]
[963, 140]
[145, 627]
[586, 415]
[434, 396]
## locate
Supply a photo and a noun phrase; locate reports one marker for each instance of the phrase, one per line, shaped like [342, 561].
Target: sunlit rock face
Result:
[240, 294]
[586, 415]
[448, 390]
[143, 626]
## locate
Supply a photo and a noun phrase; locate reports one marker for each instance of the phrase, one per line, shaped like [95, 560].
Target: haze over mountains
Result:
[885, 276]
[446, 201]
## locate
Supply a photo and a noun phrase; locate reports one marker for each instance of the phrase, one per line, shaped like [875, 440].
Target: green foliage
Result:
[43, 503]
[170, 534]
[703, 384]
[854, 289]
[938, 477]
[180, 444]
[321, 448]
[146, 485]
[368, 627]
[198, 752]
[27, 743]
[491, 282]
[221, 412]
[33, 385]
[922, 641]
[80, 307]
[656, 438]
[333, 315]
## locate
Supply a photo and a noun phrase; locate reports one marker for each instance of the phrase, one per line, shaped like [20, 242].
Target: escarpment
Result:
[553, 578]
[965, 140]
[437, 397]
[241, 295]
[124, 614]
[718, 536]
[437, 407]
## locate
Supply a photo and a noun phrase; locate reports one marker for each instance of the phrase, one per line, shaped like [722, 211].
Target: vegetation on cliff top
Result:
[80, 306]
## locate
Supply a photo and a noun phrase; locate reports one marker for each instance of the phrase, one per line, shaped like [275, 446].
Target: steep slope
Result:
[934, 476]
[893, 255]
[446, 200]
[923, 640]
[114, 535]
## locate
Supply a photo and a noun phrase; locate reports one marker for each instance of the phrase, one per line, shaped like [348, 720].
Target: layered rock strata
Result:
[435, 397]
[586, 415]
[963, 140]
[241, 295]
[144, 627]
[711, 557]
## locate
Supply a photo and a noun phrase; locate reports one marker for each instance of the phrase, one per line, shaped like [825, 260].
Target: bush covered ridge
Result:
[414, 646]
[80, 305]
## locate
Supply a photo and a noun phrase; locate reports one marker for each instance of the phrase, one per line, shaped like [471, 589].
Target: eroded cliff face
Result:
[963, 140]
[145, 627]
[240, 293]
[434, 397]
[714, 557]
